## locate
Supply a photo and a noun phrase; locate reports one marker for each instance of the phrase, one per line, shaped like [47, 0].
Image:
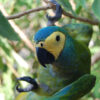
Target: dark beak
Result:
[44, 57]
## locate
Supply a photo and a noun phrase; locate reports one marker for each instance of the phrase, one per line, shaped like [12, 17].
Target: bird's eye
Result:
[57, 38]
[41, 44]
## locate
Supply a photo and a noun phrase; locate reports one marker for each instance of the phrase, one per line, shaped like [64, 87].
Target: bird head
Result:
[49, 43]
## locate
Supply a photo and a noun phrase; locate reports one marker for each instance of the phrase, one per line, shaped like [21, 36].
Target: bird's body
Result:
[64, 53]
[72, 62]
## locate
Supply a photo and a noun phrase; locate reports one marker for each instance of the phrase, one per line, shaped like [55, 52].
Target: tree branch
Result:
[93, 22]
[18, 15]
[50, 6]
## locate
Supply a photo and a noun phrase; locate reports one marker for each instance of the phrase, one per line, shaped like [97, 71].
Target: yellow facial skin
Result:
[54, 43]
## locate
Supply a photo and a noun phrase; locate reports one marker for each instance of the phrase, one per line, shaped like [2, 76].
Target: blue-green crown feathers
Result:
[43, 33]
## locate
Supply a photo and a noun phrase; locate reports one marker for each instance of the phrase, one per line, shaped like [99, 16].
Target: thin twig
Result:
[12, 69]
[18, 15]
[93, 22]
[95, 58]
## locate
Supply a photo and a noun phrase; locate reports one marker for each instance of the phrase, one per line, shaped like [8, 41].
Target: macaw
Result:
[66, 59]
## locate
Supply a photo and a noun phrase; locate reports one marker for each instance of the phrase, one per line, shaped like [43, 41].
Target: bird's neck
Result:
[63, 65]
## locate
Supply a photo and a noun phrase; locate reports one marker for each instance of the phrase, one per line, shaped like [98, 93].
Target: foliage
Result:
[8, 31]
[96, 8]
[66, 5]
[16, 59]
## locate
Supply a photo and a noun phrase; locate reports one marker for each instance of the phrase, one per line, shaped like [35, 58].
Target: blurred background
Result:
[17, 58]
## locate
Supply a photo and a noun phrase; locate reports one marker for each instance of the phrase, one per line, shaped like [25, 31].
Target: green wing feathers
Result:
[80, 32]
[77, 89]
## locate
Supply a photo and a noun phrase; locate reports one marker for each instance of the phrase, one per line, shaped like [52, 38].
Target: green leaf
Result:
[9, 54]
[79, 5]
[96, 8]
[83, 3]
[6, 30]
[67, 6]
[1, 64]
[8, 85]
[5, 49]
[96, 72]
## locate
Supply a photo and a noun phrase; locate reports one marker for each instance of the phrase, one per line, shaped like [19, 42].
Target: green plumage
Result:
[80, 32]
[68, 77]
[73, 91]
[73, 62]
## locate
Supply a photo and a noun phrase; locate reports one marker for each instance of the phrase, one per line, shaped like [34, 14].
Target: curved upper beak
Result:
[44, 57]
